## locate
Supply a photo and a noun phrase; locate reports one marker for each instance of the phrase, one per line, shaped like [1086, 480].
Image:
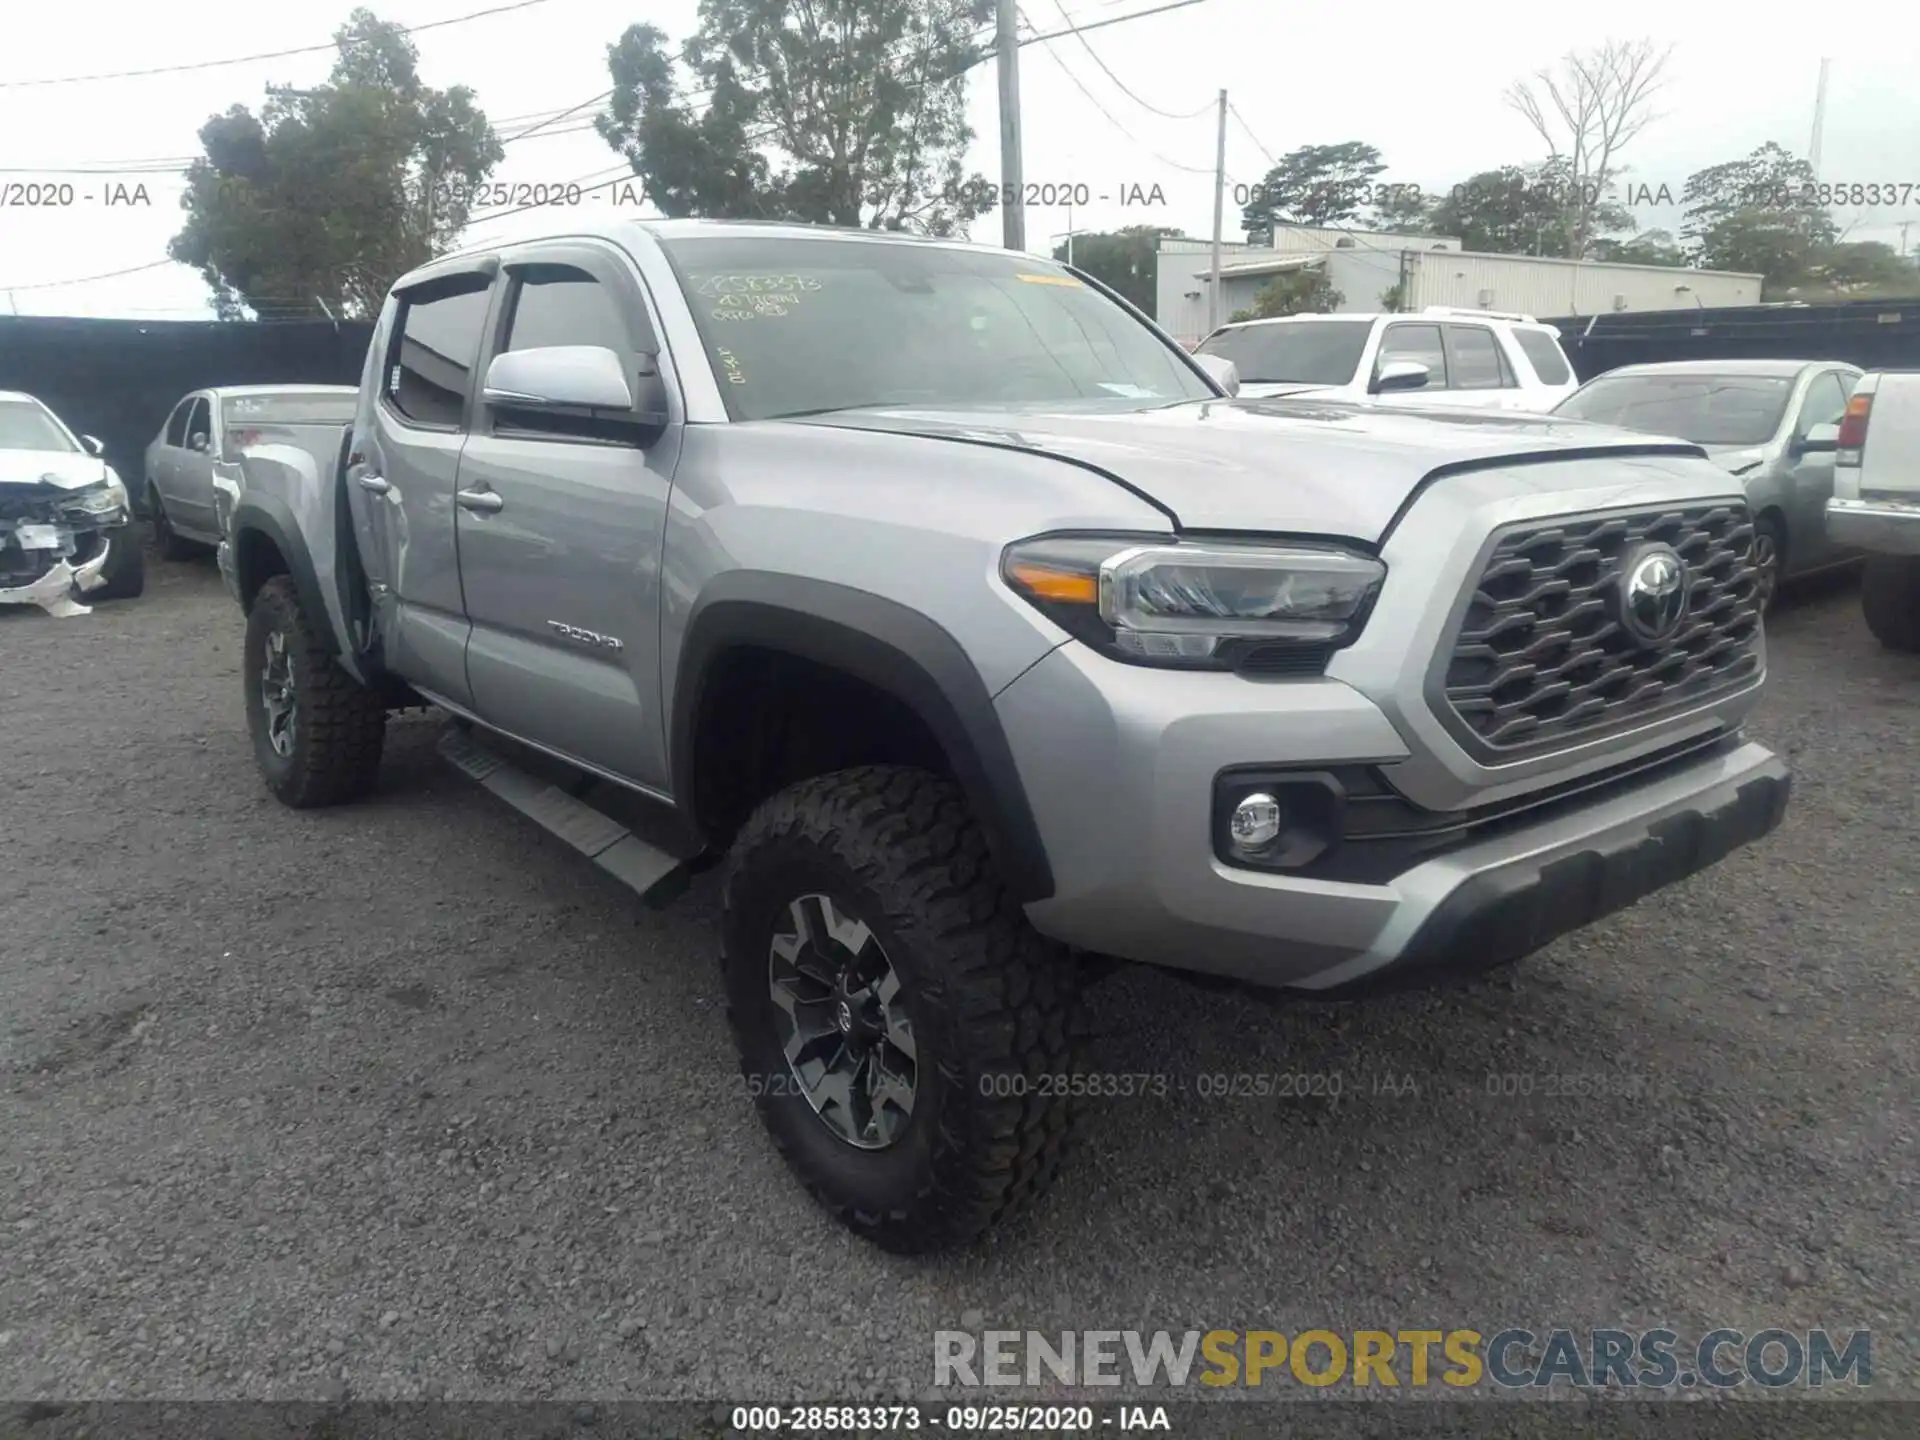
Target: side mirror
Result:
[583, 377]
[1399, 375]
[198, 442]
[1221, 371]
[1820, 440]
[94, 447]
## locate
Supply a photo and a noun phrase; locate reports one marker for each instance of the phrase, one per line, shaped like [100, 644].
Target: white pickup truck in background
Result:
[1876, 500]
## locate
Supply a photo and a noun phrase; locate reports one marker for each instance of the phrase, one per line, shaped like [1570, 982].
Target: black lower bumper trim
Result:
[1506, 914]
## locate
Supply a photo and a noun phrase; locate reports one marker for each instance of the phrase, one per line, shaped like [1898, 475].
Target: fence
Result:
[119, 379]
[1872, 334]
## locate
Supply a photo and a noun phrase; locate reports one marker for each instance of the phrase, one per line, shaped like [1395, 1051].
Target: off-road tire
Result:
[1890, 600]
[169, 545]
[992, 1003]
[126, 568]
[339, 724]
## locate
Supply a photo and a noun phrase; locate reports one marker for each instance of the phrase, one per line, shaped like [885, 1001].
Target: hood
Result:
[1288, 466]
[1736, 459]
[68, 471]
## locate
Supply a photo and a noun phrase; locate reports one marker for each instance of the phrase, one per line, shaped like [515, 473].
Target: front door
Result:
[1810, 476]
[561, 519]
[190, 492]
[1420, 342]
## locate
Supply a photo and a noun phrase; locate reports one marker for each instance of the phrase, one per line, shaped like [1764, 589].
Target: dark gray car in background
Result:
[1773, 423]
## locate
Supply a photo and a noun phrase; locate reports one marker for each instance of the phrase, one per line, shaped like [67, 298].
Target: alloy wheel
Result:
[277, 694]
[842, 1023]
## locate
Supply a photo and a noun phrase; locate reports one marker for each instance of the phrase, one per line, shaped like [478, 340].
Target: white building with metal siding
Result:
[1435, 271]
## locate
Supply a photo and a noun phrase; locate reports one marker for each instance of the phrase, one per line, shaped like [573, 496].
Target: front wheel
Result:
[125, 572]
[1769, 562]
[165, 539]
[317, 732]
[906, 1036]
[1890, 601]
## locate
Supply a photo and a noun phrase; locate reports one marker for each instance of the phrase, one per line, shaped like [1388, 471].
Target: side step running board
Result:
[655, 874]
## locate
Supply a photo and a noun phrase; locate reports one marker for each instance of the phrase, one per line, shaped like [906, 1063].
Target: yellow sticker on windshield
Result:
[1051, 280]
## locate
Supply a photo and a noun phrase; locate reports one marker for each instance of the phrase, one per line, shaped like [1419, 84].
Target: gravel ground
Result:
[403, 1099]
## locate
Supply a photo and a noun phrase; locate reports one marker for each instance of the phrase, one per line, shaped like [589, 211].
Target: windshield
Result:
[294, 408]
[798, 325]
[1305, 352]
[1706, 409]
[25, 426]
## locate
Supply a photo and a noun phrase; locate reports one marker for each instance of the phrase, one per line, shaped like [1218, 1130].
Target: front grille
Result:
[1540, 659]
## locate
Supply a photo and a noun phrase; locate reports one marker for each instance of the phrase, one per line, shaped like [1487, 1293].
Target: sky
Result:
[1422, 82]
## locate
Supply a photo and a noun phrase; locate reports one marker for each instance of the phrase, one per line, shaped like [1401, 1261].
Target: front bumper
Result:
[54, 591]
[1884, 527]
[1120, 766]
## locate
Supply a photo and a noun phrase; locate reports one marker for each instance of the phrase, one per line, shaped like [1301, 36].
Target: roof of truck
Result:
[604, 227]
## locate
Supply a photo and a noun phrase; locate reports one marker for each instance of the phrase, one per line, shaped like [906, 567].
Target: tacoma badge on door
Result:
[585, 637]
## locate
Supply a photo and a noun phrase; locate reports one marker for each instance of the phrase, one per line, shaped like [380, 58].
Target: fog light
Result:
[1256, 822]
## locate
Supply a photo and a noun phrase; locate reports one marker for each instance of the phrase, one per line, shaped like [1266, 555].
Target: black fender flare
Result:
[891, 647]
[269, 517]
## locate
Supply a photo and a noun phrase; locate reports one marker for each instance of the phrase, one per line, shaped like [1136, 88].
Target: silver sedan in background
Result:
[1773, 423]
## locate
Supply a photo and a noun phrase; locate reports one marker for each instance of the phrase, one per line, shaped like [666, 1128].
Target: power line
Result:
[264, 55]
[571, 110]
[89, 279]
[1108, 72]
[1249, 133]
[1094, 100]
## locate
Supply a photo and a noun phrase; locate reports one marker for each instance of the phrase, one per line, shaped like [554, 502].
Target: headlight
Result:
[106, 496]
[1197, 604]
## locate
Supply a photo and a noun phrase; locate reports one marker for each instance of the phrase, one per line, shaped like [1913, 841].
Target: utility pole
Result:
[1013, 217]
[1903, 235]
[1219, 206]
[1819, 120]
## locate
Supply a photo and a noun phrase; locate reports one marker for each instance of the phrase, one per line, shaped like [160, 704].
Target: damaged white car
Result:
[66, 533]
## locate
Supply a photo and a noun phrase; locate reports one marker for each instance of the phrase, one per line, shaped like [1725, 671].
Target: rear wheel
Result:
[906, 1036]
[317, 732]
[1890, 600]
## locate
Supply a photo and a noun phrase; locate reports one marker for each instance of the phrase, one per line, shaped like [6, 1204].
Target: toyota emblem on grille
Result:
[1654, 589]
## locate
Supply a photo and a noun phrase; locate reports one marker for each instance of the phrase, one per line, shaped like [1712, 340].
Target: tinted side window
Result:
[559, 305]
[435, 345]
[1420, 343]
[1825, 404]
[1545, 357]
[1475, 357]
[177, 423]
[200, 421]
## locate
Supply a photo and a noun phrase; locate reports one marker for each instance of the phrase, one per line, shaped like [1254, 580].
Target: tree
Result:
[327, 198]
[1861, 267]
[864, 103]
[1318, 185]
[1525, 210]
[1760, 214]
[1587, 115]
[1403, 210]
[1126, 259]
[1298, 292]
[1650, 247]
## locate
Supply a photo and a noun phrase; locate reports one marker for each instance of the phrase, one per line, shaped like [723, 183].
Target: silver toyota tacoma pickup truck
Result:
[991, 640]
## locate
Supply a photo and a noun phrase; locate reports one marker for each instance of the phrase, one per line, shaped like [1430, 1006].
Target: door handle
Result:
[485, 501]
[375, 484]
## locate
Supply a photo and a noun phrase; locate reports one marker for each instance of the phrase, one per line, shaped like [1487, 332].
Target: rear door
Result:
[402, 469]
[1480, 375]
[561, 564]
